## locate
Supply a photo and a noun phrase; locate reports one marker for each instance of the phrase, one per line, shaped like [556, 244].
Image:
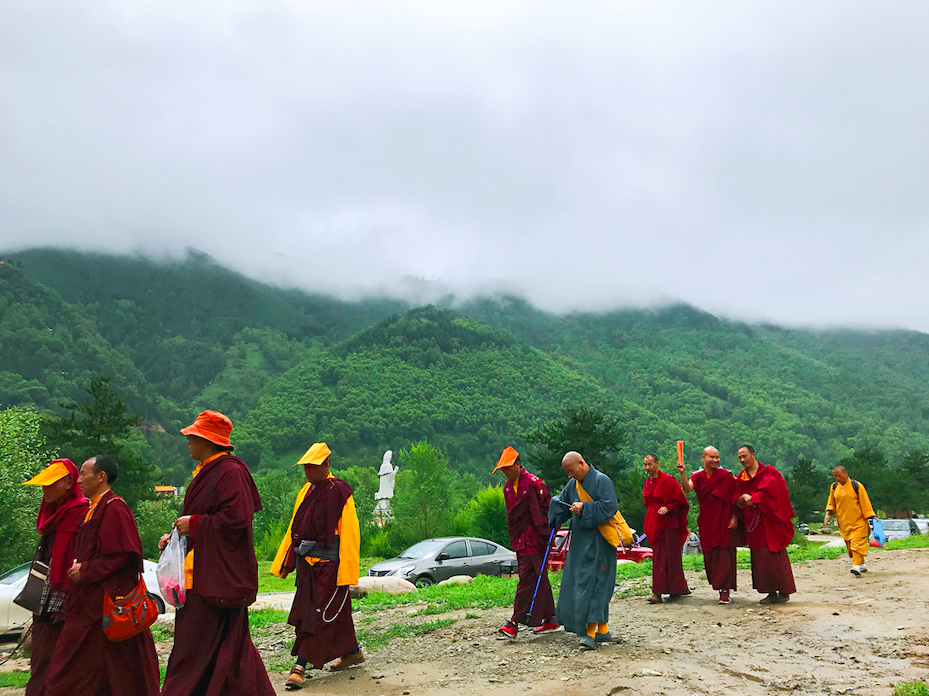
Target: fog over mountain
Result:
[764, 162]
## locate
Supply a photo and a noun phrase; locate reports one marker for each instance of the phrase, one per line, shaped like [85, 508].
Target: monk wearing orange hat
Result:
[213, 652]
[61, 512]
[323, 544]
[527, 500]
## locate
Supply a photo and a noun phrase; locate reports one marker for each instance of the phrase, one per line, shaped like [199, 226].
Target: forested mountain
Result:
[291, 368]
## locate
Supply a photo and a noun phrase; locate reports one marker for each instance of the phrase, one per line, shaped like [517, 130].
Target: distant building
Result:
[166, 490]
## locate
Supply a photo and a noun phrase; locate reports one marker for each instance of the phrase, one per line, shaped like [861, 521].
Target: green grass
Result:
[260, 618]
[162, 634]
[913, 688]
[485, 592]
[272, 583]
[911, 542]
[378, 638]
[14, 680]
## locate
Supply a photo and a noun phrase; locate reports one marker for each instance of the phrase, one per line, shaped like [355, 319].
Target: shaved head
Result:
[710, 458]
[574, 465]
[840, 474]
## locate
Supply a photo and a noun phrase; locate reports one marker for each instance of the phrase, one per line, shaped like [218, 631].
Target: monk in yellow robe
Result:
[323, 544]
[849, 502]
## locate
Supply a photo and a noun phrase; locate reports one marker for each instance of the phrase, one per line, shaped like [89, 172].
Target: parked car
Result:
[803, 527]
[434, 560]
[13, 617]
[562, 543]
[901, 529]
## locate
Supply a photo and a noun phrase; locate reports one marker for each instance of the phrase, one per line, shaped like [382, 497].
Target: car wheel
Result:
[159, 602]
[424, 581]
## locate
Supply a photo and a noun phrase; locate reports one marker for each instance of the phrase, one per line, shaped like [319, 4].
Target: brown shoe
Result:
[781, 598]
[655, 599]
[346, 661]
[770, 599]
[295, 680]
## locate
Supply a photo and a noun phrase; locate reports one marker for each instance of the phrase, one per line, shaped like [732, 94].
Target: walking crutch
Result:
[539, 579]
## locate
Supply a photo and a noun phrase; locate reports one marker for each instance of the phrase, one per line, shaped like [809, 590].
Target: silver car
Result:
[901, 529]
[434, 560]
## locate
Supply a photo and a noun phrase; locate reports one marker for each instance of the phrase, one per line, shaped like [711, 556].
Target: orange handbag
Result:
[127, 616]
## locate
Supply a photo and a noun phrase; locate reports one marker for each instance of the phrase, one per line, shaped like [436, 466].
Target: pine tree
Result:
[103, 425]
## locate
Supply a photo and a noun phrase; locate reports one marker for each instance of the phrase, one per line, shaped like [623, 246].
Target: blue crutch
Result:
[539, 579]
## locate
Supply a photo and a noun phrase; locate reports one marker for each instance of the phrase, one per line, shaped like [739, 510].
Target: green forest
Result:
[87, 340]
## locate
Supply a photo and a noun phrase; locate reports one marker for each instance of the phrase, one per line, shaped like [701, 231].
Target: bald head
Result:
[840, 474]
[710, 458]
[574, 465]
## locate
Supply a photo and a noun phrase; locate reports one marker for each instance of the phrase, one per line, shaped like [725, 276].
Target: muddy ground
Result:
[838, 634]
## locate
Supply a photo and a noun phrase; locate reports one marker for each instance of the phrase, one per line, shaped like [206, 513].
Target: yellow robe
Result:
[852, 511]
[349, 534]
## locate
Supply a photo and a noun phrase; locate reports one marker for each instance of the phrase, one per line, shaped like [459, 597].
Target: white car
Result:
[13, 617]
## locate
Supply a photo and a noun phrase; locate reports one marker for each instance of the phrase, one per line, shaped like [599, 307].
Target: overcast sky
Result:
[758, 160]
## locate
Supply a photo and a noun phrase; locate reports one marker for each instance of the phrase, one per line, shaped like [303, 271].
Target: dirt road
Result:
[837, 635]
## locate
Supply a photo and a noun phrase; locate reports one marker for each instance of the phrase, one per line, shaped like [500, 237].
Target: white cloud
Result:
[764, 161]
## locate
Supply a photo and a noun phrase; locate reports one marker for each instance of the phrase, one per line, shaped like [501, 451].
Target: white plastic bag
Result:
[170, 572]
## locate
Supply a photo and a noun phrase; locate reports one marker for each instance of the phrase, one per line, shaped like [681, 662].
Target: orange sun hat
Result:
[212, 426]
[53, 472]
[508, 458]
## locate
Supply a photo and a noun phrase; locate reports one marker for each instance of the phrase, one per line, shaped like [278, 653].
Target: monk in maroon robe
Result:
[666, 509]
[60, 514]
[527, 500]
[213, 653]
[108, 558]
[324, 548]
[715, 489]
[765, 518]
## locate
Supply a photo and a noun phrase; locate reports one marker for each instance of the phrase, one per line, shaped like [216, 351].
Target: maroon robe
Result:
[58, 526]
[85, 662]
[715, 494]
[767, 527]
[527, 523]
[213, 652]
[666, 533]
[322, 611]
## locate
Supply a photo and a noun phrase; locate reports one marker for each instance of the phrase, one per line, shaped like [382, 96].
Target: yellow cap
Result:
[53, 472]
[315, 455]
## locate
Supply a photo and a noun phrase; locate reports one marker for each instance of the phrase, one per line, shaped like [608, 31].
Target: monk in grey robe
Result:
[589, 576]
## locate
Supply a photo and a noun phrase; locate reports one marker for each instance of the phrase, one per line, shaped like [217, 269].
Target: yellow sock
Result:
[591, 629]
[602, 628]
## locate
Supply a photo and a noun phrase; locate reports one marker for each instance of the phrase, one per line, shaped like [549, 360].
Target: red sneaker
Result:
[547, 627]
[724, 596]
[509, 630]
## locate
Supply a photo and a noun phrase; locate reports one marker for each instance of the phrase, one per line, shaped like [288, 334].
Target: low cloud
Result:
[758, 161]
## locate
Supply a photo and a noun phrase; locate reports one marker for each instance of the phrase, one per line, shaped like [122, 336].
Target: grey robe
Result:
[589, 574]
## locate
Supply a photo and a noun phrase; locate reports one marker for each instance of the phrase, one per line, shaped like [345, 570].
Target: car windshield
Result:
[896, 525]
[11, 576]
[423, 549]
